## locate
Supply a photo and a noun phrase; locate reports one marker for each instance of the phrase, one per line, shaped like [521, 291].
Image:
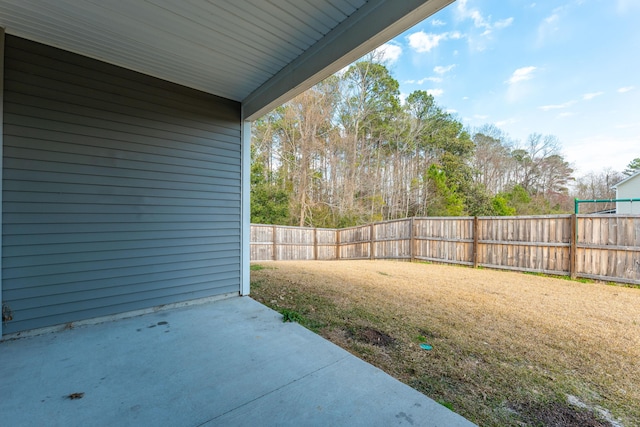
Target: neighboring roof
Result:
[257, 52]
[629, 178]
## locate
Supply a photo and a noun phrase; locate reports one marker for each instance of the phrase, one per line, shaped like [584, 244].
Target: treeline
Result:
[348, 152]
[599, 186]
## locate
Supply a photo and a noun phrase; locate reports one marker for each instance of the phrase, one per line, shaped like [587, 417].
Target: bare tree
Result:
[597, 186]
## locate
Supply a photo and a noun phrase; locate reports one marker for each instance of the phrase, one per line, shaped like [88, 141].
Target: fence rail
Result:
[603, 247]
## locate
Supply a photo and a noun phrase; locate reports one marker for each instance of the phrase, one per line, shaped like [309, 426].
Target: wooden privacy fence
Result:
[604, 247]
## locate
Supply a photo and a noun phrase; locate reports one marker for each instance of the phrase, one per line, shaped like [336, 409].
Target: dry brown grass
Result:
[503, 342]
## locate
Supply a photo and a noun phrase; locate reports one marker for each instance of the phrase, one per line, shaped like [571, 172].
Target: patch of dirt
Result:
[429, 334]
[372, 336]
[558, 415]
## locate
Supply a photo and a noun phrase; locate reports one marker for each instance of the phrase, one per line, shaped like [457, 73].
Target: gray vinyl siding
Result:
[120, 191]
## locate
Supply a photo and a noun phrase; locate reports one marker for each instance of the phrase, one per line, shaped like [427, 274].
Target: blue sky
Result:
[568, 68]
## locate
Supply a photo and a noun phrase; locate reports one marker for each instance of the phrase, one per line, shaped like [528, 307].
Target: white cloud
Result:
[552, 27]
[451, 111]
[548, 27]
[565, 114]
[626, 89]
[557, 106]
[438, 23]
[440, 69]
[480, 21]
[521, 74]
[435, 92]
[473, 14]
[424, 42]
[590, 96]
[503, 23]
[424, 80]
[480, 116]
[465, 98]
[389, 52]
[551, 19]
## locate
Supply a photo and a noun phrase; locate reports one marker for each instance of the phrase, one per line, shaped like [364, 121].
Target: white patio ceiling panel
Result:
[229, 48]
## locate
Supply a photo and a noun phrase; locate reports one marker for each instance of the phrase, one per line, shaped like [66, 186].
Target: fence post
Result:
[412, 239]
[337, 244]
[315, 244]
[573, 255]
[475, 241]
[372, 255]
[275, 242]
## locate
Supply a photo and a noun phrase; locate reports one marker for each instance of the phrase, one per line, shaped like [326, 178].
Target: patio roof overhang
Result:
[256, 52]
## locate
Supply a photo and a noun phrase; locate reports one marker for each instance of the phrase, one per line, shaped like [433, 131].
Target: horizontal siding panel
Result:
[49, 168]
[41, 318]
[69, 276]
[130, 228]
[104, 217]
[19, 198]
[28, 255]
[120, 80]
[111, 296]
[27, 180]
[23, 111]
[179, 146]
[94, 103]
[120, 191]
[33, 107]
[28, 145]
[113, 208]
[125, 282]
[15, 192]
[103, 238]
[109, 131]
[196, 259]
[104, 166]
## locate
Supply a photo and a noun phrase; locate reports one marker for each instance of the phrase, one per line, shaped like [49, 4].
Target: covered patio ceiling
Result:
[261, 53]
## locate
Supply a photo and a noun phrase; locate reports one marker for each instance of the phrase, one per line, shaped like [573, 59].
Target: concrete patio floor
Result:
[231, 362]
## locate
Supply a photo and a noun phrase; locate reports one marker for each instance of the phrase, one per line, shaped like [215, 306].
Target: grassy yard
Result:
[507, 349]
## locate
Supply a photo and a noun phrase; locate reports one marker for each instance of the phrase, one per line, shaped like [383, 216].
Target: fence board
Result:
[607, 247]
[533, 243]
[327, 243]
[355, 242]
[261, 247]
[448, 239]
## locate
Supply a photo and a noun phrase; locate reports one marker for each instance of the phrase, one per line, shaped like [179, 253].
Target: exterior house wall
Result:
[628, 189]
[120, 191]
